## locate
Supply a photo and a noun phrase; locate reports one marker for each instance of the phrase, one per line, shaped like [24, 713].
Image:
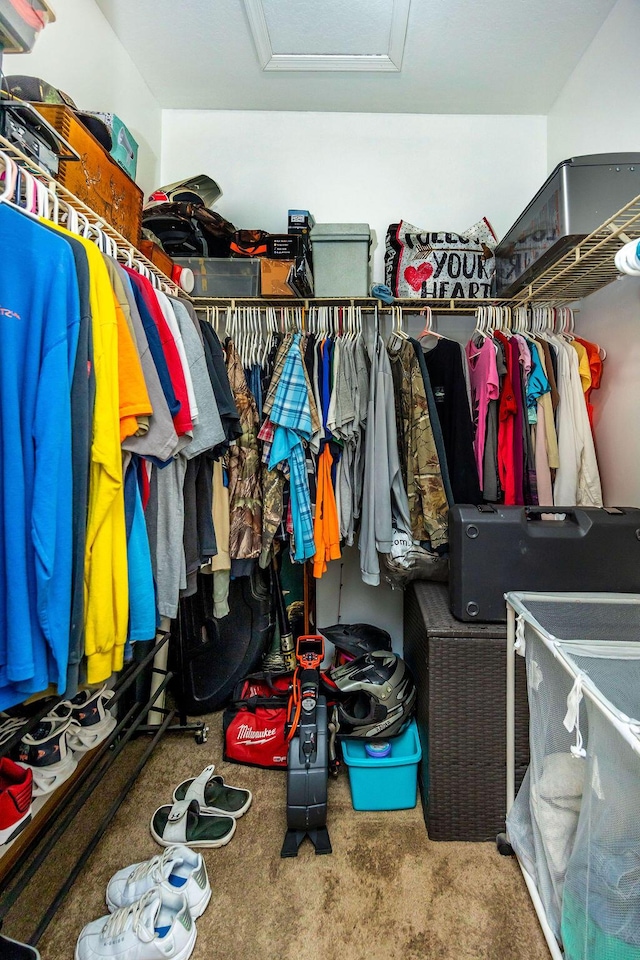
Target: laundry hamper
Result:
[575, 823]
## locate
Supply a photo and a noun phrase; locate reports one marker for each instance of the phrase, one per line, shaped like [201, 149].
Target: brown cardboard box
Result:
[97, 179]
[273, 277]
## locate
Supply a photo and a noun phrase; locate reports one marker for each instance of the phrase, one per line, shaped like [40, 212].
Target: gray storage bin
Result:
[223, 277]
[580, 194]
[341, 259]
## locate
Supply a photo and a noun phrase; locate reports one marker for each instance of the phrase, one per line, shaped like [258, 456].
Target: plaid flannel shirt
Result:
[290, 414]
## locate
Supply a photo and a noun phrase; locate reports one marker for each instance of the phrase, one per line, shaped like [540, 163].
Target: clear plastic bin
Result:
[219, 277]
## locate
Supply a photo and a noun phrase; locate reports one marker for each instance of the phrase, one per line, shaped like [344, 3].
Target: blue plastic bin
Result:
[384, 783]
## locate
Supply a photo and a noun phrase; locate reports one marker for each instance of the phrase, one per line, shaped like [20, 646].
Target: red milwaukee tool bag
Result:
[253, 724]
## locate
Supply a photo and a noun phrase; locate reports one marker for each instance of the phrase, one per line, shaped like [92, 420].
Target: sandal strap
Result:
[176, 826]
[195, 790]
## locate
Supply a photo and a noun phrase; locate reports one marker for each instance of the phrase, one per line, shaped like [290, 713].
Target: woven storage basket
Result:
[460, 670]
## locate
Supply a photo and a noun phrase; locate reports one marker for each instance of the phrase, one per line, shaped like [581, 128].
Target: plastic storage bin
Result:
[220, 277]
[341, 259]
[385, 783]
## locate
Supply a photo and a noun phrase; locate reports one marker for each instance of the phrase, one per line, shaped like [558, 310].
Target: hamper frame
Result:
[515, 604]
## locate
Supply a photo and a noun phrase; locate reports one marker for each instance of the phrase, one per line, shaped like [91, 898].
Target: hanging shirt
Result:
[507, 412]
[444, 363]
[595, 366]
[83, 387]
[105, 563]
[243, 468]
[485, 387]
[291, 414]
[428, 506]
[160, 439]
[385, 507]
[39, 324]
[182, 418]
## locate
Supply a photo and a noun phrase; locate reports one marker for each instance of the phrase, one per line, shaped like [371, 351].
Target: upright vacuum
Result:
[308, 754]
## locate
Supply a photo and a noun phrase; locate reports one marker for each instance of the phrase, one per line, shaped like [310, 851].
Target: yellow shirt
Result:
[106, 598]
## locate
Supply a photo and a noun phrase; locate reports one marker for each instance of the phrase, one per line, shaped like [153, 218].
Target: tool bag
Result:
[254, 723]
[422, 264]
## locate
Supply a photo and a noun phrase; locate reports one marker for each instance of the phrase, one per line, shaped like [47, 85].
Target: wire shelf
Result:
[127, 253]
[589, 265]
[586, 267]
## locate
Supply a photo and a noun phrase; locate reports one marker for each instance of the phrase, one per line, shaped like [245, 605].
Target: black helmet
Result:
[380, 695]
[357, 638]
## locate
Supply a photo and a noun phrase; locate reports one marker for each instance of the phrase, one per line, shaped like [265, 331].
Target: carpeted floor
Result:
[386, 892]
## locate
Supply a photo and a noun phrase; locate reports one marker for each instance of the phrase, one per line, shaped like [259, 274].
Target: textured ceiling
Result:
[461, 56]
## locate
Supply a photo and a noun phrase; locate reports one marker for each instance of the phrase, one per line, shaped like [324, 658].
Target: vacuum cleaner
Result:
[308, 752]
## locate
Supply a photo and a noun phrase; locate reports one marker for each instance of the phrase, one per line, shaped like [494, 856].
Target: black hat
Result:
[39, 91]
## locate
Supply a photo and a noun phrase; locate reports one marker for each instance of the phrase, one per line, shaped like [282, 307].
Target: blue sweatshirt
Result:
[39, 324]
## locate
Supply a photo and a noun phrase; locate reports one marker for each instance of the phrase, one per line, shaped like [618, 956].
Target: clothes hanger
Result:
[428, 330]
[14, 176]
[479, 327]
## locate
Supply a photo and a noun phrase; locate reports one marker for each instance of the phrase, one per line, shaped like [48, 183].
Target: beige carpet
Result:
[386, 892]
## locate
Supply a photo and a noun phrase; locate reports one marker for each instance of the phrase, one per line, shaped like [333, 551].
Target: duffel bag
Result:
[254, 722]
[421, 264]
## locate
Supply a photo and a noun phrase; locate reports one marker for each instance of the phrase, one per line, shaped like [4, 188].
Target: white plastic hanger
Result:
[428, 330]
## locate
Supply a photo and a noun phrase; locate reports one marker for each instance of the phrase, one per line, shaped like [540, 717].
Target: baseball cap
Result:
[39, 91]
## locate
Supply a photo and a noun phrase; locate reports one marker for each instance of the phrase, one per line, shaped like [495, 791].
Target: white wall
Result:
[598, 110]
[611, 318]
[81, 55]
[438, 172]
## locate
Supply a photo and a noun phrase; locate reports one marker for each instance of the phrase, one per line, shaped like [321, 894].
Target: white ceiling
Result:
[460, 56]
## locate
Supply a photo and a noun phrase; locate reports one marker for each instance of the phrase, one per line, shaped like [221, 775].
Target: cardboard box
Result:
[125, 149]
[273, 277]
[300, 221]
[97, 180]
[285, 278]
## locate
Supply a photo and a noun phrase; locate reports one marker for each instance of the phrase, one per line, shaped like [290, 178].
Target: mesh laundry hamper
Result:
[575, 824]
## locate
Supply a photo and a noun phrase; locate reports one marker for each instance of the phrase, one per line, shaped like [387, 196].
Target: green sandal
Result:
[214, 795]
[185, 822]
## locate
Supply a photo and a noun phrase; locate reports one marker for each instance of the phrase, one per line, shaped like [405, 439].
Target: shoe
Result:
[14, 950]
[185, 823]
[9, 726]
[158, 925]
[16, 792]
[93, 719]
[46, 753]
[178, 867]
[214, 795]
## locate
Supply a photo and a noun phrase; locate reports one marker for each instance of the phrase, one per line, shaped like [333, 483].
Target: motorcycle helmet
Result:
[355, 639]
[200, 190]
[188, 229]
[376, 694]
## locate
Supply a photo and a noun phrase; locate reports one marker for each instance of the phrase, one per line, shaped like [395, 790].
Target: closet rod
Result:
[127, 253]
[453, 306]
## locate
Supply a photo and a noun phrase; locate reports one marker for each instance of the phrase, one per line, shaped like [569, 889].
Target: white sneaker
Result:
[181, 869]
[159, 925]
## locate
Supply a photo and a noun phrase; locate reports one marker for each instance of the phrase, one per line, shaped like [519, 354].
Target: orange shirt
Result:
[134, 396]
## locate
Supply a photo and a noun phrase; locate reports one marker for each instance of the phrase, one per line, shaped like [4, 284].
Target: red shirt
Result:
[182, 420]
[507, 410]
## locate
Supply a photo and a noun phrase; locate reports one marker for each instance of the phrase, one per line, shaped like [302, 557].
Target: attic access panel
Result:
[300, 35]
